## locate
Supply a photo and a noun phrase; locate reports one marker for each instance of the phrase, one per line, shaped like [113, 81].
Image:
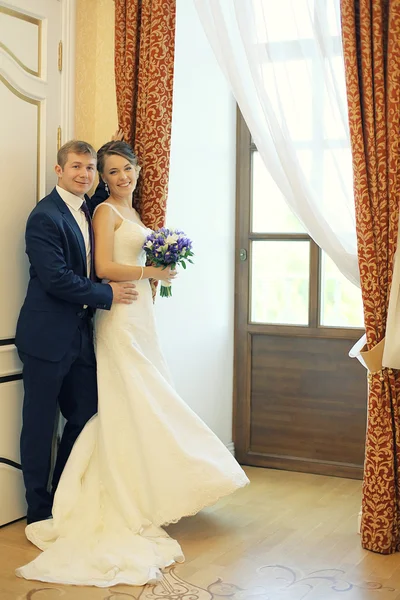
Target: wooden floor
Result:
[287, 536]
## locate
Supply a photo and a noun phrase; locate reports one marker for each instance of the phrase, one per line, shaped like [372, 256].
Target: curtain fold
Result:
[144, 67]
[371, 38]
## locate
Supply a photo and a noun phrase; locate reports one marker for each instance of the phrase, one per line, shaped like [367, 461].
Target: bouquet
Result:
[168, 248]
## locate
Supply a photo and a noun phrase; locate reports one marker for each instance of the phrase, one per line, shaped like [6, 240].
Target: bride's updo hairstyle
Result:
[118, 148]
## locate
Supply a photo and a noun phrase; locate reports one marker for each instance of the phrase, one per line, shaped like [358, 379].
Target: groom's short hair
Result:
[77, 147]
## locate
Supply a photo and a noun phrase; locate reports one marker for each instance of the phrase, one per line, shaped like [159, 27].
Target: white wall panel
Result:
[12, 494]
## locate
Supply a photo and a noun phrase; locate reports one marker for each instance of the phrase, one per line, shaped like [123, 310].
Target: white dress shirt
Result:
[74, 204]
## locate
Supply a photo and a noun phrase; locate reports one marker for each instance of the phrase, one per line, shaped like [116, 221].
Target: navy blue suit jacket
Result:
[58, 287]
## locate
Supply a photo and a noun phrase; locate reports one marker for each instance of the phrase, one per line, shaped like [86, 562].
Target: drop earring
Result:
[106, 187]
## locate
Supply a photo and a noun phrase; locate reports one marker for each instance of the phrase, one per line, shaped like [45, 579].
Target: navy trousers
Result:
[72, 385]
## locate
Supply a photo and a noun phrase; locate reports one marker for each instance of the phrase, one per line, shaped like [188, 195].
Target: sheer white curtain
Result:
[284, 62]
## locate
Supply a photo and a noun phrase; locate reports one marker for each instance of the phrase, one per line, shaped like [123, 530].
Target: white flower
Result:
[149, 244]
[172, 239]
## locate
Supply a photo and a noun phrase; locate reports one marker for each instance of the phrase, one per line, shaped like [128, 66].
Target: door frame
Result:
[244, 330]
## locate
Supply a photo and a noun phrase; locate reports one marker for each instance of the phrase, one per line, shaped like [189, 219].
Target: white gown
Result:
[145, 460]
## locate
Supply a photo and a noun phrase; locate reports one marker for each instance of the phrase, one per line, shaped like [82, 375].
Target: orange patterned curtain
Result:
[371, 37]
[144, 66]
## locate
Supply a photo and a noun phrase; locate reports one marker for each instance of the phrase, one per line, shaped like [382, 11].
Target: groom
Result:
[54, 330]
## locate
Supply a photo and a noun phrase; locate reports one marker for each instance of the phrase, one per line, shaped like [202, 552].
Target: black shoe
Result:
[30, 520]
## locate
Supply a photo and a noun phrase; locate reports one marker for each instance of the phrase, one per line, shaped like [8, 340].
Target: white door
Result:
[30, 101]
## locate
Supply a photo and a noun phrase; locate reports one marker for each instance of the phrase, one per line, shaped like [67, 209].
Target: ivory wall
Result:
[196, 324]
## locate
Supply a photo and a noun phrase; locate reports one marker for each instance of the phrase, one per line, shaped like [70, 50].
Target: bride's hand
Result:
[167, 274]
[118, 136]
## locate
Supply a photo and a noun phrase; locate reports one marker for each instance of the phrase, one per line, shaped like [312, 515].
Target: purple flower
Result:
[178, 248]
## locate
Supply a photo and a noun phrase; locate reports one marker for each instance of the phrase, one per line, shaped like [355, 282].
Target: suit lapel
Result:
[69, 218]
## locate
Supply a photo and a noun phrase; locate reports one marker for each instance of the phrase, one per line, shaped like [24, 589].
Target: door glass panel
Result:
[341, 303]
[270, 213]
[280, 282]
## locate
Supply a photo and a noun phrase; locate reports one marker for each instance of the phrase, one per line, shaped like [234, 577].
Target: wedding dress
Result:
[145, 460]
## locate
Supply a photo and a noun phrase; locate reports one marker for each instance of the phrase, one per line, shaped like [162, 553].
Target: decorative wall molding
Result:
[10, 12]
[68, 71]
[10, 463]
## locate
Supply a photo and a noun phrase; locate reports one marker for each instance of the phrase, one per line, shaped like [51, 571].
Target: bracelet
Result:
[141, 274]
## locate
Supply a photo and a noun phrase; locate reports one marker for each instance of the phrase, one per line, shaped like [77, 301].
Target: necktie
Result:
[86, 212]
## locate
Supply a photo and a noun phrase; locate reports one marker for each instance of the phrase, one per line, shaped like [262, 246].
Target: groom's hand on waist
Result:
[123, 293]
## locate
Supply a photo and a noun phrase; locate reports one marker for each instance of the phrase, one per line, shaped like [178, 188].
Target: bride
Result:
[146, 459]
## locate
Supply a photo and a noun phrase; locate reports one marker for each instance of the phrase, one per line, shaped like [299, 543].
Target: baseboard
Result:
[231, 448]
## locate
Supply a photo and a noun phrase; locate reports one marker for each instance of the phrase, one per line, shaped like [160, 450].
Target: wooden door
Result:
[300, 401]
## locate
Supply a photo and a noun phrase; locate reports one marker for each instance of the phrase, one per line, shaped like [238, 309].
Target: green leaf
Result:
[183, 264]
